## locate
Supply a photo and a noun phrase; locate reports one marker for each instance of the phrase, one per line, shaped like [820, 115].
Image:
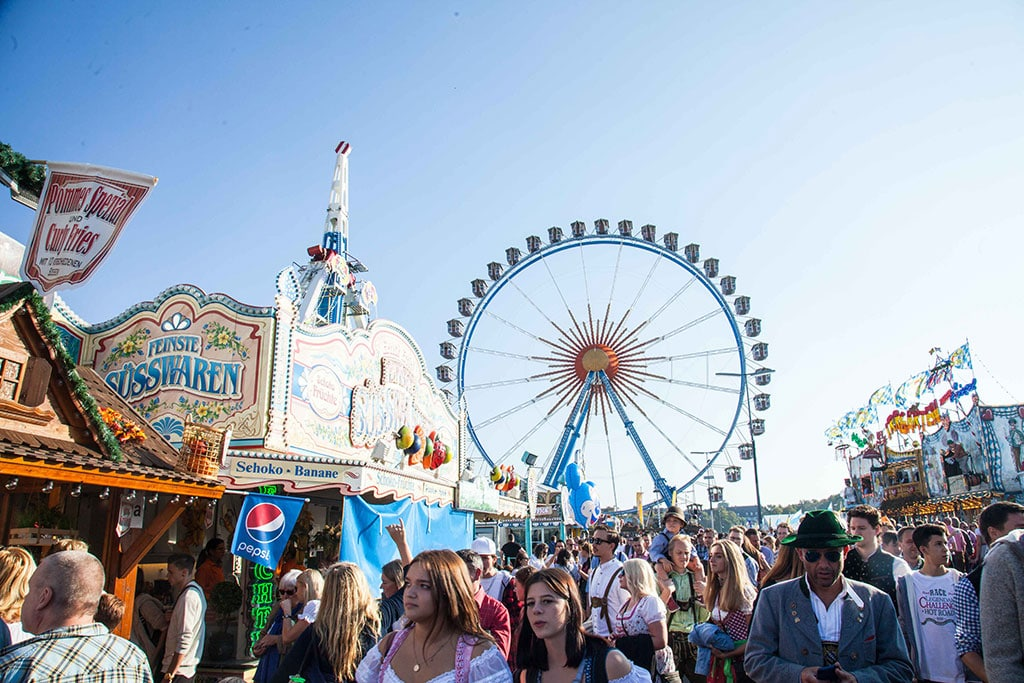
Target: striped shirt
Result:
[85, 654]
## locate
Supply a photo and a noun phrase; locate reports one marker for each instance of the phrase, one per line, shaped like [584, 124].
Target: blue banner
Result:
[264, 526]
[366, 542]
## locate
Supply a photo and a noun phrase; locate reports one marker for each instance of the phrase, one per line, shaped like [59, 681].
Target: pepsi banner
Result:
[264, 526]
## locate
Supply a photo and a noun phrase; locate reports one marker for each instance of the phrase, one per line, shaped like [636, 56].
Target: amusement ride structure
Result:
[602, 346]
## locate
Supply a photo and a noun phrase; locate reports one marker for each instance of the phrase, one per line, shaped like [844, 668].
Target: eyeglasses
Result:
[598, 541]
[287, 591]
[813, 556]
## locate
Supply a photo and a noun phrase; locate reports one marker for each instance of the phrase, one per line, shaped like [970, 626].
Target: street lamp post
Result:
[753, 441]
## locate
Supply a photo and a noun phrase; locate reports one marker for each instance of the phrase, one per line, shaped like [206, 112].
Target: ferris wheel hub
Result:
[596, 358]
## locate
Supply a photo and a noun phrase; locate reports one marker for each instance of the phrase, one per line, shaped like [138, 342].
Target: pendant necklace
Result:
[426, 660]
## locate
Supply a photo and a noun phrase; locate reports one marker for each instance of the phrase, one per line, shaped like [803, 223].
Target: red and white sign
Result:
[81, 213]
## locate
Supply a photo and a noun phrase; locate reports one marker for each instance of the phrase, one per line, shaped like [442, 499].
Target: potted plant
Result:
[225, 600]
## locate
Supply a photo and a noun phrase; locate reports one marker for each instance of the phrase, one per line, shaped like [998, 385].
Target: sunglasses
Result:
[813, 556]
[598, 541]
[287, 591]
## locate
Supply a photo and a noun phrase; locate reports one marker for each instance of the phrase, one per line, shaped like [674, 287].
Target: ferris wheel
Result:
[612, 350]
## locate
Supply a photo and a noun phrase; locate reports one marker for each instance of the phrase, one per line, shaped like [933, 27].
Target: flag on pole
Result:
[640, 508]
[264, 526]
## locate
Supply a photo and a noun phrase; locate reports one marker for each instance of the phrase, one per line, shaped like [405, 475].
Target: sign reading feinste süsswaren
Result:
[81, 213]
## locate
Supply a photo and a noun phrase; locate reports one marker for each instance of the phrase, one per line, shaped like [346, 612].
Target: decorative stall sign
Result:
[188, 356]
[245, 471]
[478, 497]
[352, 392]
[81, 213]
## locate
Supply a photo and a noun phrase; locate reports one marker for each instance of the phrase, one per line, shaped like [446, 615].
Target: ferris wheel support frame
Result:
[572, 432]
[623, 240]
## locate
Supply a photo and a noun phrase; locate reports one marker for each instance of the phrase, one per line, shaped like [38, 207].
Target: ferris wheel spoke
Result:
[647, 280]
[524, 438]
[695, 385]
[695, 354]
[636, 387]
[508, 413]
[506, 354]
[671, 442]
[503, 383]
[615, 275]
[690, 415]
[608, 444]
[682, 328]
[513, 326]
[671, 300]
[537, 308]
[557, 288]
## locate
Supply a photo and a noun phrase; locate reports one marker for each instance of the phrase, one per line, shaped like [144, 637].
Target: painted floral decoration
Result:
[205, 411]
[134, 343]
[126, 431]
[219, 336]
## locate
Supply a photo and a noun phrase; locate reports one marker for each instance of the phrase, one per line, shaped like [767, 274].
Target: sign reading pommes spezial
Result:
[81, 213]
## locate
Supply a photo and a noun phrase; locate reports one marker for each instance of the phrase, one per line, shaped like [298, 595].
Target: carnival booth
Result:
[76, 460]
[931, 447]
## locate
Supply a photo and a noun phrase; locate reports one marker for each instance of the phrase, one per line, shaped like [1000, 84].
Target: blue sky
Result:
[855, 165]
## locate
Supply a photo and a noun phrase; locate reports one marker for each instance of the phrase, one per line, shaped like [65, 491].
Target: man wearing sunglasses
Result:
[606, 596]
[824, 626]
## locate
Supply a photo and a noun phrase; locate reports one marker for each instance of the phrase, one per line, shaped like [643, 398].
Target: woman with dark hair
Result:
[443, 642]
[392, 579]
[787, 566]
[552, 645]
[210, 565]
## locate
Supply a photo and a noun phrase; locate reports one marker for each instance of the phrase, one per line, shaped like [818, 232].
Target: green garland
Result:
[29, 176]
[26, 292]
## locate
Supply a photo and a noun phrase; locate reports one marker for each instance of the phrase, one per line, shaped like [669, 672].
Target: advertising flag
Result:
[81, 213]
[264, 525]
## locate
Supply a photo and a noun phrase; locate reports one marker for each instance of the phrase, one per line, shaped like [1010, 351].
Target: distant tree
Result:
[29, 176]
[725, 517]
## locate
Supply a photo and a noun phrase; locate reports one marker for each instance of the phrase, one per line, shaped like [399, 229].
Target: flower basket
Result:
[202, 450]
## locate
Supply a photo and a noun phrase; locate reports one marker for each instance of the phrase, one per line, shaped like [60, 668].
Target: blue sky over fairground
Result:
[855, 165]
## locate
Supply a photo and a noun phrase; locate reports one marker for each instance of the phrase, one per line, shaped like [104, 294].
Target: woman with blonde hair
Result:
[16, 568]
[443, 642]
[346, 627]
[308, 587]
[729, 596]
[641, 632]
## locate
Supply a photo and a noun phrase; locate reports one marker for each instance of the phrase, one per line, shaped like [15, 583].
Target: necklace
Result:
[426, 660]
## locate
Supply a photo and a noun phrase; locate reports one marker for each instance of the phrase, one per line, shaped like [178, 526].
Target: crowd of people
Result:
[860, 601]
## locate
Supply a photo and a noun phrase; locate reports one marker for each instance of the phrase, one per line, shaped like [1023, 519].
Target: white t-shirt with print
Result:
[934, 623]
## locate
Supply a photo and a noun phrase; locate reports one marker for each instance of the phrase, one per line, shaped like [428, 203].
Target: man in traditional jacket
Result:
[824, 619]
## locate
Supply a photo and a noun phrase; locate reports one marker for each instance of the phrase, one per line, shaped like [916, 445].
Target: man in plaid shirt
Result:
[996, 520]
[63, 594]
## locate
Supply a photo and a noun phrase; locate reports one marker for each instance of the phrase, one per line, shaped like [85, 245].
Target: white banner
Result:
[81, 214]
[131, 515]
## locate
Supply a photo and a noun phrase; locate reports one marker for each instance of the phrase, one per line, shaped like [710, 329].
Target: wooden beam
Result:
[76, 474]
[153, 532]
[120, 587]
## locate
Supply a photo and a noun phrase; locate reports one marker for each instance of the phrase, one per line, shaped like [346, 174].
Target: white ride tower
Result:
[329, 292]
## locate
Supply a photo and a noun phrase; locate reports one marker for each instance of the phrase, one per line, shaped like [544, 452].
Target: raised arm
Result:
[397, 533]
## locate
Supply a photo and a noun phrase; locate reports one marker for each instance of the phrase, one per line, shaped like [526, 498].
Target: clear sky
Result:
[857, 166]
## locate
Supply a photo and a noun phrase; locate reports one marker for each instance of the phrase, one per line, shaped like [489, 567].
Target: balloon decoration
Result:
[586, 509]
[504, 477]
[423, 449]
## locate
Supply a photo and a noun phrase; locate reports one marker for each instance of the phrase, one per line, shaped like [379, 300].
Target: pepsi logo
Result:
[264, 523]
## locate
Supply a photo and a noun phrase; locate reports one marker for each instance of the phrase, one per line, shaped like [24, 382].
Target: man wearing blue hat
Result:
[823, 626]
